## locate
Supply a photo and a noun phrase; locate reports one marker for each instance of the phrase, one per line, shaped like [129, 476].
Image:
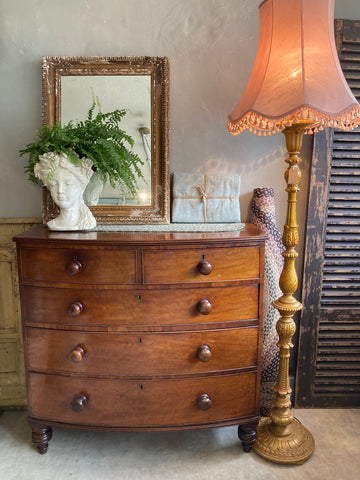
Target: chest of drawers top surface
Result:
[39, 234]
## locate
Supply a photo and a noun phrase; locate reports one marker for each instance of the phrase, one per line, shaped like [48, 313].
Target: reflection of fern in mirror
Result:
[98, 138]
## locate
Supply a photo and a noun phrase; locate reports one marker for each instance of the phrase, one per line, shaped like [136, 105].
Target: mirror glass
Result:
[127, 92]
[138, 85]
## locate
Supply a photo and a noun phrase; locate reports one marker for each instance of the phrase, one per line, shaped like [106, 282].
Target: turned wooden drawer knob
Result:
[75, 308]
[79, 403]
[204, 402]
[74, 267]
[204, 306]
[78, 353]
[204, 353]
[204, 267]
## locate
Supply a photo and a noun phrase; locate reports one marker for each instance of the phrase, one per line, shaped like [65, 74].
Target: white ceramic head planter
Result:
[66, 184]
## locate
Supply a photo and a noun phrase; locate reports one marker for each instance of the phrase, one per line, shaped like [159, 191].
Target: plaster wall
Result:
[211, 45]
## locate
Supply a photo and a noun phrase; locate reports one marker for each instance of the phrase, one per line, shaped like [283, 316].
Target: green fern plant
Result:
[98, 138]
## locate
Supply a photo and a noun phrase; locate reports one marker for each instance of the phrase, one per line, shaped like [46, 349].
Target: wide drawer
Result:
[78, 266]
[141, 355]
[145, 404]
[147, 307]
[179, 266]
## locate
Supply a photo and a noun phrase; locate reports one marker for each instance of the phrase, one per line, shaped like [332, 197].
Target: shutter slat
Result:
[346, 270]
[337, 374]
[346, 145]
[345, 260]
[338, 347]
[338, 381]
[339, 366]
[350, 221]
[346, 154]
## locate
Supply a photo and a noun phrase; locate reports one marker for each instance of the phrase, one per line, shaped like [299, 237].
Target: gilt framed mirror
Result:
[139, 85]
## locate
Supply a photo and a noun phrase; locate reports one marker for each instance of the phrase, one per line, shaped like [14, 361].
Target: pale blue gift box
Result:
[205, 198]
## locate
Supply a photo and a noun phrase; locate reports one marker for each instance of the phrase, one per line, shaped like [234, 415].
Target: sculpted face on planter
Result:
[66, 184]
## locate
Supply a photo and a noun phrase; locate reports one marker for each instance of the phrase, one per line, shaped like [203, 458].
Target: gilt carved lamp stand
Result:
[296, 87]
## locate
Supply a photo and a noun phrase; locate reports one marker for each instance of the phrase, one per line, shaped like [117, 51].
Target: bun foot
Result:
[247, 434]
[41, 436]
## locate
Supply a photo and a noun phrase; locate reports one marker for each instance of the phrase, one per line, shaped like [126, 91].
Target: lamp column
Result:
[281, 438]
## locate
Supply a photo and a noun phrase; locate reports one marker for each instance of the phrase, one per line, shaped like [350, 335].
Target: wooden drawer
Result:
[96, 266]
[179, 266]
[142, 404]
[141, 354]
[147, 307]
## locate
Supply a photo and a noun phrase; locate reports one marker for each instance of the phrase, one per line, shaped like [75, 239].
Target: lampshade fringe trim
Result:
[262, 126]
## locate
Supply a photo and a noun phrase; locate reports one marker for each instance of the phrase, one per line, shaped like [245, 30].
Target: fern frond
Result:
[98, 138]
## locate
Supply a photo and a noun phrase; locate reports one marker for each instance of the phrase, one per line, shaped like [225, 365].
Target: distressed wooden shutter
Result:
[328, 368]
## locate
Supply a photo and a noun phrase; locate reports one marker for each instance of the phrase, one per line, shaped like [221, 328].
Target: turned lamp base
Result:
[281, 438]
[294, 448]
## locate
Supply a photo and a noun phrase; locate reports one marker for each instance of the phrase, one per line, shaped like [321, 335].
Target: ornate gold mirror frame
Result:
[61, 72]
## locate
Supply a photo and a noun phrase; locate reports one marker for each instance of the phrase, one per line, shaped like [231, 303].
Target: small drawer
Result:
[134, 308]
[201, 265]
[142, 404]
[78, 266]
[141, 354]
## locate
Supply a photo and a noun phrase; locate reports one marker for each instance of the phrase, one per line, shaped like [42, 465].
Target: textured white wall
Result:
[211, 45]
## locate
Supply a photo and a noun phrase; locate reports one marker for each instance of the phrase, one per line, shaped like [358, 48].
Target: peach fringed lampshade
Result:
[297, 75]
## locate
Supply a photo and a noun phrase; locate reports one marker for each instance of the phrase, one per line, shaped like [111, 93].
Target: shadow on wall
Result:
[241, 166]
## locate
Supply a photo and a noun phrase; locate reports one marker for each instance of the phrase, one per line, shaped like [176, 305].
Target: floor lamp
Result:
[296, 87]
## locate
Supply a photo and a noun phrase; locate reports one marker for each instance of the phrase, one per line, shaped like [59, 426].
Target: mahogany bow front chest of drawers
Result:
[141, 331]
